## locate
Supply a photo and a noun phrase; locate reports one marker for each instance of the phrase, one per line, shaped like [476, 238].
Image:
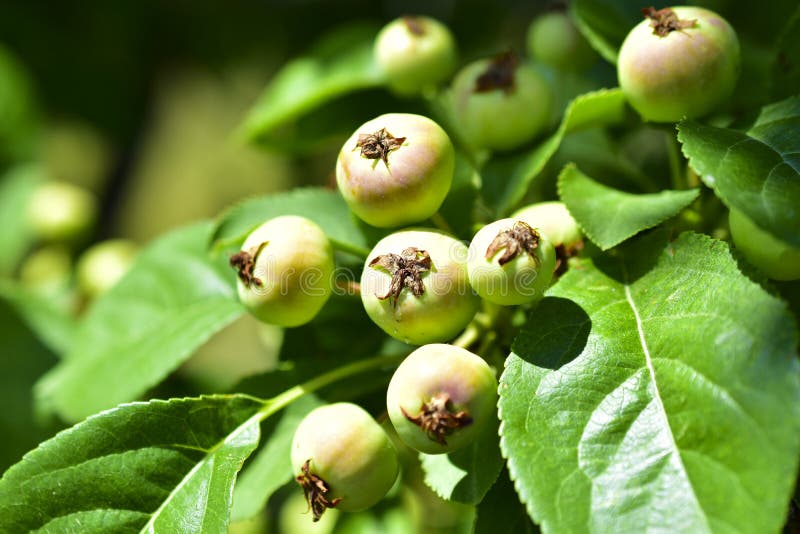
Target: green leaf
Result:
[23, 359]
[506, 179]
[326, 208]
[466, 474]
[270, 468]
[609, 216]
[656, 388]
[172, 300]
[606, 23]
[54, 326]
[16, 188]
[339, 64]
[160, 466]
[500, 511]
[758, 171]
[785, 75]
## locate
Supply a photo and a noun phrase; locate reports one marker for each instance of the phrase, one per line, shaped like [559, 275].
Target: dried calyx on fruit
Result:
[396, 169]
[441, 397]
[414, 286]
[342, 459]
[510, 262]
[285, 271]
[553, 220]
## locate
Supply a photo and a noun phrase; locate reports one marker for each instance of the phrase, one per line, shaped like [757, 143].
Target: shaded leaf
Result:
[756, 172]
[160, 466]
[16, 188]
[466, 474]
[54, 326]
[170, 302]
[326, 208]
[681, 411]
[23, 359]
[506, 179]
[609, 216]
[340, 63]
[270, 468]
[785, 75]
[501, 512]
[606, 23]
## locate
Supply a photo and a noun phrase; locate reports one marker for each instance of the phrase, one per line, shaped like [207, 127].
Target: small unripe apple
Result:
[415, 286]
[510, 262]
[60, 211]
[554, 40]
[441, 397]
[415, 53]
[342, 459]
[680, 62]
[500, 103]
[285, 271]
[396, 169]
[776, 258]
[103, 264]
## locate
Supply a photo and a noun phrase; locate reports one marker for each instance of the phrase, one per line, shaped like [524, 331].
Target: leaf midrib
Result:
[150, 526]
[657, 397]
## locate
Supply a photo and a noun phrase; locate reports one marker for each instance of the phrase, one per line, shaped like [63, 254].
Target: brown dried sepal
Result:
[414, 25]
[406, 270]
[438, 419]
[244, 262]
[515, 240]
[315, 490]
[499, 74]
[378, 145]
[663, 21]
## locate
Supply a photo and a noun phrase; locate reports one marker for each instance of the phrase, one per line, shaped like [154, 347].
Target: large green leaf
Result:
[326, 208]
[16, 187]
[609, 216]
[160, 466]
[758, 171]
[506, 179]
[340, 63]
[656, 388]
[466, 474]
[171, 301]
[270, 468]
[52, 324]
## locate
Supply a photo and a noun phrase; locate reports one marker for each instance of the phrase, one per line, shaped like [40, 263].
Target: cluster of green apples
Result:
[423, 286]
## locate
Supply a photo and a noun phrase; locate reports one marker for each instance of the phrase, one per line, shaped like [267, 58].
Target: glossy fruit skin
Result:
[102, 265]
[553, 220]
[498, 119]
[447, 304]
[777, 259]
[60, 211]
[415, 53]
[687, 73]
[295, 266]
[553, 40]
[349, 451]
[521, 280]
[411, 185]
[431, 370]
